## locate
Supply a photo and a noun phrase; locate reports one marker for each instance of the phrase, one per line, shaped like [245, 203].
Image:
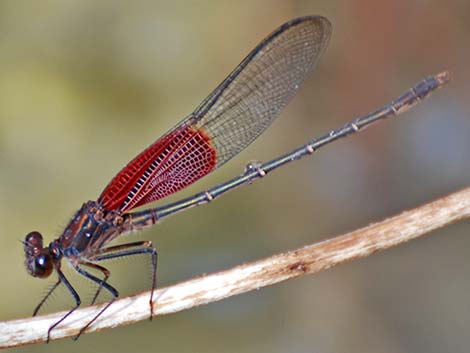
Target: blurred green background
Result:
[86, 85]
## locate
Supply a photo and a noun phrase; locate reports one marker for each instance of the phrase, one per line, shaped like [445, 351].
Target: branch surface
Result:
[247, 277]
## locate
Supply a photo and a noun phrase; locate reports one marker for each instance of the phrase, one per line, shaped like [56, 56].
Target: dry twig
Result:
[210, 288]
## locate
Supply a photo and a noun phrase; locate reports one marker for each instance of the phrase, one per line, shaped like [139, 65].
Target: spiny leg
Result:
[129, 249]
[105, 273]
[104, 270]
[75, 296]
[41, 303]
[102, 284]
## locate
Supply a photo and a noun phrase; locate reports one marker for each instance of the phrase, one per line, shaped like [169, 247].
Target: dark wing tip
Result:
[319, 21]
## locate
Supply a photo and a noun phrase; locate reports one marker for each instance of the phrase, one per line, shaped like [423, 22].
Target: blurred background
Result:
[86, 85]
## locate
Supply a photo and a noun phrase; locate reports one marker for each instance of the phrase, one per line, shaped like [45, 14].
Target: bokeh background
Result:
[86, 85]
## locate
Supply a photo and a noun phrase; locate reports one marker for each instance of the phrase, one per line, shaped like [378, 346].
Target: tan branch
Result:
[210, 288]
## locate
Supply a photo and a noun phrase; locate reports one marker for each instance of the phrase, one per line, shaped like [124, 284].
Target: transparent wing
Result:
[227, 121]
[251, 97]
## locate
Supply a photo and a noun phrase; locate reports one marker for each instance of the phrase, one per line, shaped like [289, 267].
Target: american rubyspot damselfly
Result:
[225, 123]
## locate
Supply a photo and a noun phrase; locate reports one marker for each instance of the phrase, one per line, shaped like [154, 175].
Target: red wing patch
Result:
[170, 164]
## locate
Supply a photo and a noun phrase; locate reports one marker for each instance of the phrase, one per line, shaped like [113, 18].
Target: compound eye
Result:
[42, 266]
[33, 240]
